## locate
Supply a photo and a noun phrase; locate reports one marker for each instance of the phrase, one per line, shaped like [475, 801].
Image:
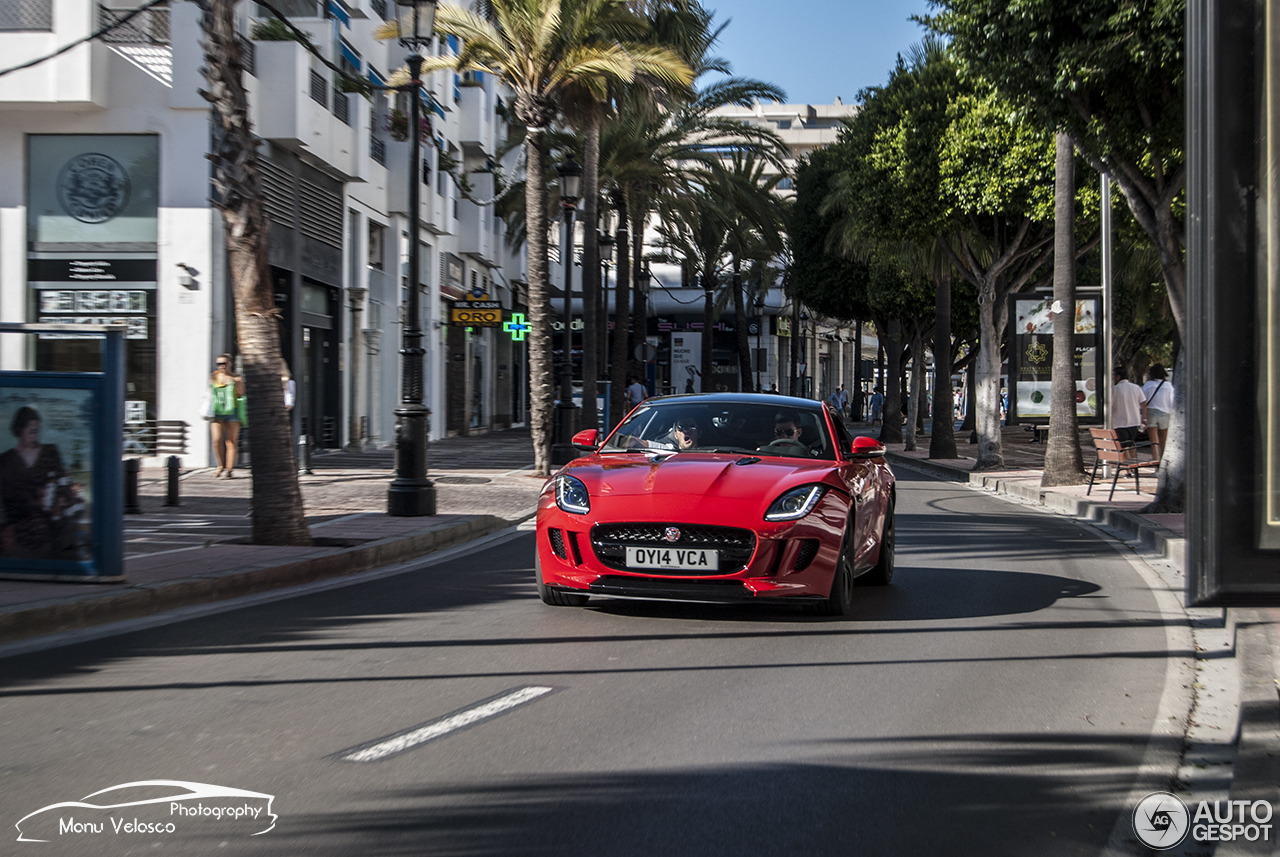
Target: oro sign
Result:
[476, 314]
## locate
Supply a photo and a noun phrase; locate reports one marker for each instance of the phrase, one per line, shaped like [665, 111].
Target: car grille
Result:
[736, 546]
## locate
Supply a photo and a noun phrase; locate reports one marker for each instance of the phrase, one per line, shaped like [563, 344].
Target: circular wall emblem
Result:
[1161, 820]
[93, 188]
[671, 534]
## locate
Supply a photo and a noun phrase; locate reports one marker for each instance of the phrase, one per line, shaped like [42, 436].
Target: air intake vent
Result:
[557, 542]
[808, 550]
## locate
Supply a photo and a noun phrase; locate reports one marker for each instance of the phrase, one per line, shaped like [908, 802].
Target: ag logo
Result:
[1161, 820]
[93, 188]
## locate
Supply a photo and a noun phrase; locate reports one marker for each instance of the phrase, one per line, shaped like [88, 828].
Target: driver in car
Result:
[786, 435]
[683, 435]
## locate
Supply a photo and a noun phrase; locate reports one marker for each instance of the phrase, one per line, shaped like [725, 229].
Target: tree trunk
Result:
[591, 326]
[621, 317]
[969, 423]
[1063, 460]
[640, 317]
[917, 382]
[986, 409]
[942, 443]
[795, 346]
[856, 397]
[740, 322]
[541, 382]
[1171, 492]
[891, 416]
[278, 517]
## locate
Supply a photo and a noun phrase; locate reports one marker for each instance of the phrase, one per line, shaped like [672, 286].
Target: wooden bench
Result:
[1121, 456]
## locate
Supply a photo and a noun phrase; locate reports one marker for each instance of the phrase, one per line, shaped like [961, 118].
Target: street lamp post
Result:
[804, 350]
[639, 321]
[411, 493]
[562, 451]
[605, 243]
[759, 335]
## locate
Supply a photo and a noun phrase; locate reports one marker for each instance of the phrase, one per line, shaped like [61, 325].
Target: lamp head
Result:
[417, 20]
[570, 180]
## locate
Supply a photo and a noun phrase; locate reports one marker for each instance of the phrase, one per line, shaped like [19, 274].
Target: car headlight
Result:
[571, 495]
[796, 503]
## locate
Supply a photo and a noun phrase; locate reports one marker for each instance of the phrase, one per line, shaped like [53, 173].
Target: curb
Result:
[132, 602]
[1132, 527]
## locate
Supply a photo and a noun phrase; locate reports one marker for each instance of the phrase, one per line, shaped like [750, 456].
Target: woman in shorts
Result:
[1159, 407]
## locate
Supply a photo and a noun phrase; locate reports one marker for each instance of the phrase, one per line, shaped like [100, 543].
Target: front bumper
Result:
[790, 560]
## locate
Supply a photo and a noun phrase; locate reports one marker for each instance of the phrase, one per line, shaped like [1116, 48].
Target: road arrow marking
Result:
[418, 735]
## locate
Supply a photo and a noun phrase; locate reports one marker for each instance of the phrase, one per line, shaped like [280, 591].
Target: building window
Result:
[784, 124]
[377, 245]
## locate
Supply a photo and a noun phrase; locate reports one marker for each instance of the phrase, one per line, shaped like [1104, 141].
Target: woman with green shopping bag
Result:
[226, 413]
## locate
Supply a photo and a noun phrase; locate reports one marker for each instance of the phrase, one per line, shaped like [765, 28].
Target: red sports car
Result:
[721, 497]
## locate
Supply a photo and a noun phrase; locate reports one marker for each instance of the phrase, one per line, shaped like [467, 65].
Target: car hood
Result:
[705, 475]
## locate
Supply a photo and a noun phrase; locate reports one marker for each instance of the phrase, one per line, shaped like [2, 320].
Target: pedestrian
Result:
[635, 392]
[224, 409]
[877, 403]
[1127, 405]
[1159, 394]
[842, 401]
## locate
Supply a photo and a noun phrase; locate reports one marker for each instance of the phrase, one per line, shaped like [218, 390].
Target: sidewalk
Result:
[198, 551]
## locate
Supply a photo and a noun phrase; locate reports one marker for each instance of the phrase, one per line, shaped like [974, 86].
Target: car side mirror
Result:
[585, 440]
[866, 447]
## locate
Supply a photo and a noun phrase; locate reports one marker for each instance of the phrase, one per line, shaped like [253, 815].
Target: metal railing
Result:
[342, 107]
[319, 89]
[35, 16]
[155, 437]
[378, 150]
[379, 8]
[149, 27]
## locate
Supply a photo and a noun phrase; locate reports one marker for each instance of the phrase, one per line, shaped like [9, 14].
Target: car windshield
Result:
[756, 428]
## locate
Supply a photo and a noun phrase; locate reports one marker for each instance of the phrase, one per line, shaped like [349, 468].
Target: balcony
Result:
[475, 120]
[398, 187]
[293, 109]
[76, 80]
[476, 236]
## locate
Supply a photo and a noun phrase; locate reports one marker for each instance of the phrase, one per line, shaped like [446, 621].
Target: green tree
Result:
[541, 49]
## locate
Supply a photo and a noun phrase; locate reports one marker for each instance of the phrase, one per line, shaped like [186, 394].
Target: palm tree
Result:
[542, 49]
[277, 510]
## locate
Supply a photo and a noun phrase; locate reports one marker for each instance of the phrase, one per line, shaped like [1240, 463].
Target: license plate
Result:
[674, 559]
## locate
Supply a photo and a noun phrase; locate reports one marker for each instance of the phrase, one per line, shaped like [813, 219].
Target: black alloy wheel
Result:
[840, 600]
[882, 573]
[554, 597]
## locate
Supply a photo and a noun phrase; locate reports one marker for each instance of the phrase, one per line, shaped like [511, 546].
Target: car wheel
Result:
[841, 598]
[882, 574]
[554, 597]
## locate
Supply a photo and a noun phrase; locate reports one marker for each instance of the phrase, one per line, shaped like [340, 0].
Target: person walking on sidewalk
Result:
[1127, 405]
[225, 413]
[877, 404]
[1159, 395]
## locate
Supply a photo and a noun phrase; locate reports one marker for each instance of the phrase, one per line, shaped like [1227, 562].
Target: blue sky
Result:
[817, 49]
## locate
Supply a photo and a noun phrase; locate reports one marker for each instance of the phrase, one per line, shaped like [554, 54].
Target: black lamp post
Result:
[804, 349]
[411, 493]
[759, 335]
[562, 451]
[605, 243]
[640, 322]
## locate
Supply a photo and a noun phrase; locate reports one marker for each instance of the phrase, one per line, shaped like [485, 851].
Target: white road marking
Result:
[451, 723]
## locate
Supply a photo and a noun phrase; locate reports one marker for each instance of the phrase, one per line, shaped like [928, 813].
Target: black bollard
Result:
[174, 466]
[304, 456]
[131, 467]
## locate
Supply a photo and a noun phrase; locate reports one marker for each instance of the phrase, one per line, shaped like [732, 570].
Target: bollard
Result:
[131, 467]
[304, 456]
[174, 465]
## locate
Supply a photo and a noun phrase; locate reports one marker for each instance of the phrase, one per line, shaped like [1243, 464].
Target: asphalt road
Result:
[997, 699]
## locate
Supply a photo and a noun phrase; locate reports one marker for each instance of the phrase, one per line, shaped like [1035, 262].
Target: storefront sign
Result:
[476, 314]
[1031, 358]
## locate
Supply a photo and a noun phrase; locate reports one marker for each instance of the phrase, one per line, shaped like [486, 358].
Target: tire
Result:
[554, 597]
[840, 601]
[882, 574]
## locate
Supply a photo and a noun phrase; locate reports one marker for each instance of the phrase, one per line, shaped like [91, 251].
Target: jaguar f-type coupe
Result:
[719, 498]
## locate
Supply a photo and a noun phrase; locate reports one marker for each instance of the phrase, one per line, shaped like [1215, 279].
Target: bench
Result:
[1121, 456]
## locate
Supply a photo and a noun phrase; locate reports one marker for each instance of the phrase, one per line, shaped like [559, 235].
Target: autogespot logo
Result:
[1161, 820]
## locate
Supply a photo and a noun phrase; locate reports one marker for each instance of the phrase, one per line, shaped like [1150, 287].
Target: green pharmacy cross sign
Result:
[517, 327]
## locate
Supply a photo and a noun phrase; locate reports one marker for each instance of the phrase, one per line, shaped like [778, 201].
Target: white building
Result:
[105, 213]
